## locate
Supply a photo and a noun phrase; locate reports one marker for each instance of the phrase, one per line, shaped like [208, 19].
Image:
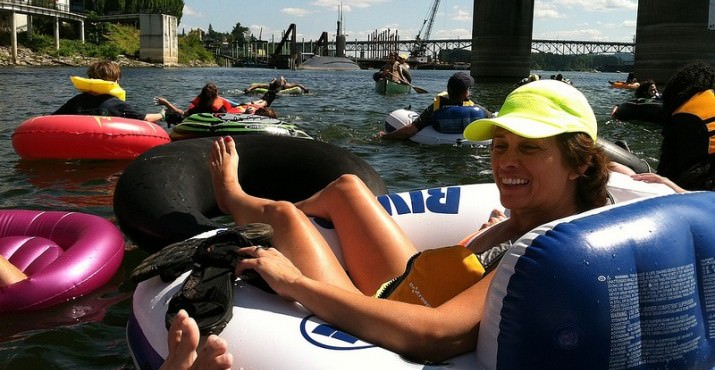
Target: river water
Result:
[342, 108]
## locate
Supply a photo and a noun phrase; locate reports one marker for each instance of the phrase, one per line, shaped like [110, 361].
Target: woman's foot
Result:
[183, 341]
[223, 165]
[9, 274]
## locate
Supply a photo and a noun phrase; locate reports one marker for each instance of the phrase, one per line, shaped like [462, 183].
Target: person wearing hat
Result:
[396, 69]
[546, 165]
[457, 94]
[404, 67]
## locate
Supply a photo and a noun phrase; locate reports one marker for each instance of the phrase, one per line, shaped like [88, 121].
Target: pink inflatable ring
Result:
[64, 254]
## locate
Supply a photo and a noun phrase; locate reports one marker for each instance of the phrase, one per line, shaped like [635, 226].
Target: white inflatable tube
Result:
[428, 135]
[268, 332]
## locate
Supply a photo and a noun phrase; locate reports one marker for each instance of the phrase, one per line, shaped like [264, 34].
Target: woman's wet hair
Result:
[579, 149]
[267, 112]
[208, 94]
[643, 91]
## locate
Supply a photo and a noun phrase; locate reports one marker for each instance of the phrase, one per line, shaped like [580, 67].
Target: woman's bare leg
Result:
[374, 247]
[183, 341]
[293, 233]
[9, 274]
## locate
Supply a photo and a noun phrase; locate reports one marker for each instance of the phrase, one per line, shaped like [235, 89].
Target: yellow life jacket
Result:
[444, 96]
[98, 86]
[434, 276]
[701, 105]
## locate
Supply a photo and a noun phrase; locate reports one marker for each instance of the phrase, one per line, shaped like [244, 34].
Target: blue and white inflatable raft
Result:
[626, 286]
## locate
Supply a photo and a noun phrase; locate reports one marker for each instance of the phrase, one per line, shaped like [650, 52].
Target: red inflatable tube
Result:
[86, 137]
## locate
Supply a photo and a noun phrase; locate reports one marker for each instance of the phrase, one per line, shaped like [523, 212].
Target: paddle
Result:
[417, 89]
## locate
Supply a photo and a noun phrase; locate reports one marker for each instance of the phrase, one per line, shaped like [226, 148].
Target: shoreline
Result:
[28, 58]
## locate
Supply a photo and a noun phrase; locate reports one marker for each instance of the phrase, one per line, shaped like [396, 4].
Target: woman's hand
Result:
[277, 270]
[658, 179]
[158, 100]
[495, 217]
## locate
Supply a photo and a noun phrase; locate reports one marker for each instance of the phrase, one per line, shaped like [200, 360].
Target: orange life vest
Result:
[240, 109]
[218, 103]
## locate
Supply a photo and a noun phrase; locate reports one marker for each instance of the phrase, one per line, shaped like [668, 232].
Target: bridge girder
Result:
[560, 47]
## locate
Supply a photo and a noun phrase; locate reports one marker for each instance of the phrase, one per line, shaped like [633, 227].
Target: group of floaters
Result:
[646, 105]
[99, 124]
[84, 237]
[50, 257]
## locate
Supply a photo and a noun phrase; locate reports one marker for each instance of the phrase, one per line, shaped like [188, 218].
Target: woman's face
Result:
[652, 90]
[531, 174]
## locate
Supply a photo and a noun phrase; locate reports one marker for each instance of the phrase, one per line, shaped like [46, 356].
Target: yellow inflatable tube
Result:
[97, 86]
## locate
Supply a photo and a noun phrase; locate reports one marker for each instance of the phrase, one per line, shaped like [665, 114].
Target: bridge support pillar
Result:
[57, 33]
[13, 37]
[158, 41]
[669, 35]
[501, 39]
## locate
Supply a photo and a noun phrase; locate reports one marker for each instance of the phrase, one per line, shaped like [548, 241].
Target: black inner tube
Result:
[165, 195]
[623, 156]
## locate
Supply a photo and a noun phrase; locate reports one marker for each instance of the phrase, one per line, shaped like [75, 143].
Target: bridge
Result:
[668, 34]
[373, 53]
[58, 11]
[375, 49]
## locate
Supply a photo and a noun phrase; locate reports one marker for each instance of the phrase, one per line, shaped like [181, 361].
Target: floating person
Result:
[101, 95]
[276, 85]
[648, 90]
[531, 78]
[546, 166]
[687, 152]
[208, 101]
[457, 94]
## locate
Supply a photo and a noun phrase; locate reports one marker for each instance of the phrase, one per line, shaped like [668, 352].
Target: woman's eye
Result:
[529, 148]
[498, 147]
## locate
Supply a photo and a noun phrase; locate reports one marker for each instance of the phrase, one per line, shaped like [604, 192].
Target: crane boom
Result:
[418, 51]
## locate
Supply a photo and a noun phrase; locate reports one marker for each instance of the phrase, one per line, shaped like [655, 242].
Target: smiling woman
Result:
[546, 166]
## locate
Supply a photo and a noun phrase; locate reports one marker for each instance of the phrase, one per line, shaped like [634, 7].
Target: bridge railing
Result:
[42, 7]
[48, 4]
[563, 47]
[367, 49]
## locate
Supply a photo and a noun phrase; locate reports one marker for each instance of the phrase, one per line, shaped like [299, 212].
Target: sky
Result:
[581, 20]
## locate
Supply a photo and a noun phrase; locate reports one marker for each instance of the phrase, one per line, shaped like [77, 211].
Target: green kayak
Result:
[388, 87]
[219, 124]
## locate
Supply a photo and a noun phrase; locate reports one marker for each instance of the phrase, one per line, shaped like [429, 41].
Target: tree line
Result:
[111, 7]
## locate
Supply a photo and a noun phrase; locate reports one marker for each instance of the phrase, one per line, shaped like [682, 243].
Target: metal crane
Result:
[418, 53]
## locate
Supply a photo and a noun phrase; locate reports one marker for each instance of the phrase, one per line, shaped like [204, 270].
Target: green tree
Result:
[104, 7]
[192, 49]
[238, 35]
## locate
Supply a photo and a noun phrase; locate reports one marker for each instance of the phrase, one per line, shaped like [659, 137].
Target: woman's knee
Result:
[282, 212]
[347, 183]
